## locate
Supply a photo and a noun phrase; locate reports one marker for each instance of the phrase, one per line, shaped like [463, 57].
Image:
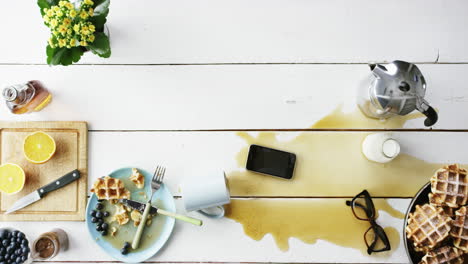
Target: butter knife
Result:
[41, 192]
[153, 210]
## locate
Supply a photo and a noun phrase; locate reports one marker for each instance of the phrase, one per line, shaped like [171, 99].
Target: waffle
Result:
[459, 231]
[108, 188]
[120, 214]
[449, 186]
[428, 226]
[443, 255]
[137, 178]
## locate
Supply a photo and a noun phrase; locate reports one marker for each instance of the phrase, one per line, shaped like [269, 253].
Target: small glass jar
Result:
[49, 244]
[25, 98]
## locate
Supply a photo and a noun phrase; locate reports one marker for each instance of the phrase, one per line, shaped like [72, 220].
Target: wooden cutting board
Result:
[65, 204]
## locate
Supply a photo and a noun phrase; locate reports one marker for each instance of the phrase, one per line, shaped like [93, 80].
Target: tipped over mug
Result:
[206, 192]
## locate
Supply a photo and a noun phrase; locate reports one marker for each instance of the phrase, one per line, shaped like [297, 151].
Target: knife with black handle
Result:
[153, 210]
[41, 192]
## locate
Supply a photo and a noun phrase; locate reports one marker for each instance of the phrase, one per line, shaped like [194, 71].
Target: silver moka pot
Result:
[396, 88]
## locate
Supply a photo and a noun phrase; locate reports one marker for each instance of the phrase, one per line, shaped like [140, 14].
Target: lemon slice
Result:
[12, 178]
[39, 147]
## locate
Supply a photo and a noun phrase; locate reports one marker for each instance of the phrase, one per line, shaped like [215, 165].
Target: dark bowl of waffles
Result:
[436, 223]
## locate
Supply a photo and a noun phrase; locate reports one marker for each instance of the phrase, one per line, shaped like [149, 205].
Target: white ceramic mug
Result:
[206, 192]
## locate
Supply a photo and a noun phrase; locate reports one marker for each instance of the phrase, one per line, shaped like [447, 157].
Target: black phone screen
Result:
[271, 161]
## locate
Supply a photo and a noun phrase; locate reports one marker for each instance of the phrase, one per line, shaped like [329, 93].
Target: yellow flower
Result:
[91, 12]
[53, 22]
[85, 30]
[91, 38]
[88, 2]
[62, 42]
[76, 27]
[55, 32]
[92, 28]
[50, 12]
[59, 13]
[56, 8]
[62, 29]
[83, 15]
[46, 18]
[73, 42]
[51, 42]
[62, 3]
[66, 22]
[83, 43]
[72, 13]
[69, 31]
[69, 6]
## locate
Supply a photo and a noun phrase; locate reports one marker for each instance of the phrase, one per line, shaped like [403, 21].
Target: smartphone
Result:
[271, 161]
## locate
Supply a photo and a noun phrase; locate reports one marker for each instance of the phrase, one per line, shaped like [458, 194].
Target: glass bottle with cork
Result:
[25, 98]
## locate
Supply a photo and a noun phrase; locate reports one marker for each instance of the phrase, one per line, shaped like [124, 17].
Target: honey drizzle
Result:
[328, 164]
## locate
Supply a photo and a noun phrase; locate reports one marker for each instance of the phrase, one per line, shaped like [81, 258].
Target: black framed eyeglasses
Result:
[363, 209]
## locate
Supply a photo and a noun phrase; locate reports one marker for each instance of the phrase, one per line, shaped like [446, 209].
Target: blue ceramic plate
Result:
[163, 223]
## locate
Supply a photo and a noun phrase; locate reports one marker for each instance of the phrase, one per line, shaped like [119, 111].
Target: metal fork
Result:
[156, 183]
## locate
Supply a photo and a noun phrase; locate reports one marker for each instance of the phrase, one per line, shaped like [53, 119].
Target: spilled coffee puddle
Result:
[328, 164]
[308, 220]
[338, 119]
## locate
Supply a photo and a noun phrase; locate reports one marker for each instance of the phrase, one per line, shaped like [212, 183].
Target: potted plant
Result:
[76, 27]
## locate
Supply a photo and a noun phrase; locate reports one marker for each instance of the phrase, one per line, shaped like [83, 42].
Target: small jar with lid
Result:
[25, 98]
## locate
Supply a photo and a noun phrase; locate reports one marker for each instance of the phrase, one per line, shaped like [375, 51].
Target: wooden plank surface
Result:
[262, 31]
[226, 96]
[197, 244]
[184, 152]
[135, 93]
[67, 203]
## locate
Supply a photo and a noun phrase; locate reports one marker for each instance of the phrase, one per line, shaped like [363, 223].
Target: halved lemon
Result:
[12, 178]
[39, 147]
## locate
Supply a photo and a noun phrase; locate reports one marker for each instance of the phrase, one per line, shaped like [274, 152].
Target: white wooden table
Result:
[185, 75]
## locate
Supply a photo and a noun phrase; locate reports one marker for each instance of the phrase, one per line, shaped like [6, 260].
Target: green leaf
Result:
[101, 10]
[63, 56]
[46, 4]
[101, 45]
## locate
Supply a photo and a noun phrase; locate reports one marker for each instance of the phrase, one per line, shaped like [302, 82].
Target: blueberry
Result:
[18, 252]
[25, 250]
[106, 214]
[10, 250]
[2, 251]
[104, 232]
[100, 221]
[105, 226]
[2, 262]
[21, 235]
[12, 257]
[24, 242]
[99, 206]
[2, 258]
[99, 215]
[7, 256]
[93, 213]
[9, 235]
[3, 233]
[127, 245]
[24, 258]
[6, 242]
[14, 245]
[98, 228]
[94, 220]
[124, 251]
[15, 233]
